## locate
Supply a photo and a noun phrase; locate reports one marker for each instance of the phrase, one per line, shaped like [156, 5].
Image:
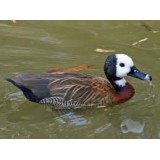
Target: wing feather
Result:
[81, 88]
[91, 91]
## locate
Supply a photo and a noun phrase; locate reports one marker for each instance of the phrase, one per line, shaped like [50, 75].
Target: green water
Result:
[38, 46]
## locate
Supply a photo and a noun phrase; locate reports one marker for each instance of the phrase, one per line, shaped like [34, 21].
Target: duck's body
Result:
[70, 89]
[75, 90]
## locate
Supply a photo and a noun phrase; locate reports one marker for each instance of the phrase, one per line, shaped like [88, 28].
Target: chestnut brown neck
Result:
[124, 94]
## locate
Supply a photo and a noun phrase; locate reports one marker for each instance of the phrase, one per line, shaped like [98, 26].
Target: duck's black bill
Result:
[138, 74]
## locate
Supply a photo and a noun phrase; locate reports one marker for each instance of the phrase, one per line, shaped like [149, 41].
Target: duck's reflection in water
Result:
[72, 118]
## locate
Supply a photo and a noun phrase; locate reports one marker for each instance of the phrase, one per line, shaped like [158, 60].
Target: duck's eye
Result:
[122, 64]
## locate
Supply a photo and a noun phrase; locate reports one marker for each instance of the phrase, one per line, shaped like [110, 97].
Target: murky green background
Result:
[38, 46]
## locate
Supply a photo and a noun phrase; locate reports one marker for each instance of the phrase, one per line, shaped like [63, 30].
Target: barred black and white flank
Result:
[59, 102]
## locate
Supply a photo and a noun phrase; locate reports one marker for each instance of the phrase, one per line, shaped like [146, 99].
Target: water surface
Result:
[38, 46]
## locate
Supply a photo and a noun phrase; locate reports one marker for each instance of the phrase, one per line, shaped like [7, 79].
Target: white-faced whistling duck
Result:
[78, 90]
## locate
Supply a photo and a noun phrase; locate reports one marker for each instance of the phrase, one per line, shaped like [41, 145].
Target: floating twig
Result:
[78, 68]
[72, 69]
[99, 50]
[154, 31]
[56, 69]
[140, 41]
[150, 83]
[148, 27]
[14, 21]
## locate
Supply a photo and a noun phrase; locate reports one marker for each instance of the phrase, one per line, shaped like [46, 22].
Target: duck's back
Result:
[65, 89]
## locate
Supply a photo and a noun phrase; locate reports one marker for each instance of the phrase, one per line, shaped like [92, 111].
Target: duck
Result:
[80, 90]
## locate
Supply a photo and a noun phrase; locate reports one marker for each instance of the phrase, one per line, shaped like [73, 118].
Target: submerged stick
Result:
[148, 27]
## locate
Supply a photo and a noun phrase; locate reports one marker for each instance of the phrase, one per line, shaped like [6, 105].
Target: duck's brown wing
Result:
[66, 89]
[86, 92]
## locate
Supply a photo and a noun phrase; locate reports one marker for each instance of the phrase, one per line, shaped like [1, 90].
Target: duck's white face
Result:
[123, 65]
[117, 66]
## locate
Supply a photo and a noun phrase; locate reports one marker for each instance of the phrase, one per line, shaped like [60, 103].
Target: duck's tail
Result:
[26, 91]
